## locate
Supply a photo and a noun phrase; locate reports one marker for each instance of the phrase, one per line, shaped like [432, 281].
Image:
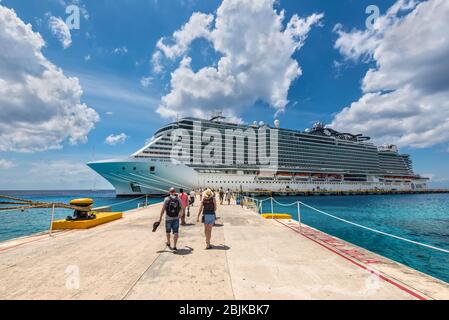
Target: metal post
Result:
[272, 211]
[146, 200]
[299, 218]
[52, 219]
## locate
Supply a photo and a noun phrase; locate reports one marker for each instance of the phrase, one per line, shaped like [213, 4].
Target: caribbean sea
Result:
[419, 217]
[14, 224]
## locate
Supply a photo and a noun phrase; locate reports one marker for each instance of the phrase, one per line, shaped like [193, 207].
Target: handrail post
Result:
[299, 217]
[272, 211]
[52, 218]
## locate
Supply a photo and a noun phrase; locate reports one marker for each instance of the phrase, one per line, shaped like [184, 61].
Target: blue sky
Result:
[112, 53]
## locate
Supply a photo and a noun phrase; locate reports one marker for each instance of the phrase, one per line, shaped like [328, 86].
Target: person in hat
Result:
[208, 208]
[172, 209]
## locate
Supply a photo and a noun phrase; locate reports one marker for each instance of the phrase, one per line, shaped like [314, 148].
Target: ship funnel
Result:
[277, 123]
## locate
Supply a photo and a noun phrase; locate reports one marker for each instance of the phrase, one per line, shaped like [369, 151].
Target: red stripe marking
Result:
[396, 284]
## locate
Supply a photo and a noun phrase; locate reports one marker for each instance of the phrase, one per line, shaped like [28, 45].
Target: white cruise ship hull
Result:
[136, 176]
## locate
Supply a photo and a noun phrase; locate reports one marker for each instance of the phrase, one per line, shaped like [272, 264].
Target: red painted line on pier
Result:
[391, 281]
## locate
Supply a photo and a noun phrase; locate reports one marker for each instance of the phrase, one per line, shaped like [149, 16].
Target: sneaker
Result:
[175, 249]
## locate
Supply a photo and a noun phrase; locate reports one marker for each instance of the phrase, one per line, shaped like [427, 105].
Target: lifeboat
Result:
[285, 174]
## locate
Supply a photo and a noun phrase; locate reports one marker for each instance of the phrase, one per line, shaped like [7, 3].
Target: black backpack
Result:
[173, 207]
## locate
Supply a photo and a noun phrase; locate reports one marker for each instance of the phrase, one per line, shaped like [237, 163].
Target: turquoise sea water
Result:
[17, 224]
[423, 218]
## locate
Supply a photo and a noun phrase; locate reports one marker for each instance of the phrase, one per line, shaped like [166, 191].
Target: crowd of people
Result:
[177, 206]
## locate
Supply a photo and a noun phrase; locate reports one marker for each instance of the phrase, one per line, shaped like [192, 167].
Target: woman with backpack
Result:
[207, 209]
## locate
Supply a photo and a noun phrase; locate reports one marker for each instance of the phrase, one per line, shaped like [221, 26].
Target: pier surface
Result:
[252, 258]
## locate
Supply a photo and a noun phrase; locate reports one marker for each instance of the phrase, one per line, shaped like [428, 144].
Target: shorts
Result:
[172, 225]
[209, 219]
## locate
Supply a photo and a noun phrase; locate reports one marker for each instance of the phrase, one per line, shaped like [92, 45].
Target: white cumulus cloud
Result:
[40, 107]
[198, 26]
[146, 81]
[6, 164]
[121, 50]
[256, 64]
[60, 29]
[113, 139]
[406, 94]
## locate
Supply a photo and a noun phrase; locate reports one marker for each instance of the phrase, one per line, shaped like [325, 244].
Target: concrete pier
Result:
[252, 258]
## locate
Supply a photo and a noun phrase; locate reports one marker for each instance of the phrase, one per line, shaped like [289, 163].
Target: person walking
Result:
[208, 208]
[192, 196]
[184, 203]
[221, 195]
[228, 196]
[201, 194]
[172, 210]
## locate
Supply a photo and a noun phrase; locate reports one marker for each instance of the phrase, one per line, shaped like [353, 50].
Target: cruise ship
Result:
[194, 153]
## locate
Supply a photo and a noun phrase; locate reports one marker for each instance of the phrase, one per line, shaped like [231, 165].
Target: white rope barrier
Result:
[375, 230]
[364, 227]
[259, 203]
[285, 204]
